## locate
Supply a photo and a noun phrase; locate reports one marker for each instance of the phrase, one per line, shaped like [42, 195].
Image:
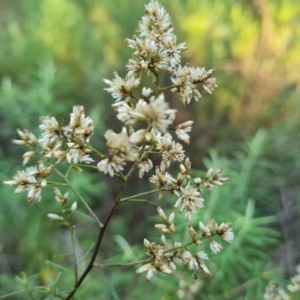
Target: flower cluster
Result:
[120, 150]
[155, 50]
[188, 290]
[32, 180]
[274, 292]
[63, 143]
[165, 257]
[160, 260]
[149, 131]
[295, 285]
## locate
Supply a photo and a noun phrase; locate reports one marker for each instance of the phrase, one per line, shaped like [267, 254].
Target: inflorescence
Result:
[147, 122]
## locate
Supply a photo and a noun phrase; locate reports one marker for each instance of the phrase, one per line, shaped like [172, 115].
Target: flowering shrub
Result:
[148, 123]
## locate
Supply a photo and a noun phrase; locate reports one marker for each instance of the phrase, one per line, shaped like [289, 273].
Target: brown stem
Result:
[94, 255]
[103, 229]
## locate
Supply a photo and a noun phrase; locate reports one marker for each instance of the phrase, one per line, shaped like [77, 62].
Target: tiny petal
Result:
[55, 217]
[74, 206]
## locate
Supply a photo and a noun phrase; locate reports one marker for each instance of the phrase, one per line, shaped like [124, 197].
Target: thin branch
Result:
[58, 184]
[104, 227]
[84, 166]
[72, 231]
[162, 89]
[80, 197]
[94, 255]
[188, 244]
[139, 200]
[138, 195]
[68, 172]
[88, 146]
[124, 265]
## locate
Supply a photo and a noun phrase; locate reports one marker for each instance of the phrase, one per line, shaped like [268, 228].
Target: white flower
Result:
[189, 201]
[151, 270]
[120, 87]
[138, 136]
[76, 117]
[74, 206]
[175, 154]
[27, 137]
[51, 130]
[195, 262]
[26, 157]
[204, 229]
[161, 179]
[124, 111]
[59, 197]
[146, 92]
[227, 235]
[34, 193]
[156, 113]
[144, 167]
[156, 14]
[135, 66]
[55, 217]
[110, 166]
[168, 226]
[202, 255]
[160, 262]
[163, 141]
[215, 247]
[182, 131]
[77, 154]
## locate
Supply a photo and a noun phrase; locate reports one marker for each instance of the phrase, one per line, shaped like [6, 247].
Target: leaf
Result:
[87, 253]
[50, 263]
[127, 250]
[55, 282]
[12, 294]
[109, 285]
[84, 216]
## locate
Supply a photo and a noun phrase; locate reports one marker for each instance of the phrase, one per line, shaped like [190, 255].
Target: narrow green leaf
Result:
[87, 253]
[109, 285]
[84, 216]
[50, 263]
[55, 282]
[12, 294]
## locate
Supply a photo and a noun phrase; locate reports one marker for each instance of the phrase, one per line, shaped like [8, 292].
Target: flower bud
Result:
[74, 206]
[55, 217]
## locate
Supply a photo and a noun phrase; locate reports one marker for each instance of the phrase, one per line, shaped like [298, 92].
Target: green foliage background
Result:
[55, 53]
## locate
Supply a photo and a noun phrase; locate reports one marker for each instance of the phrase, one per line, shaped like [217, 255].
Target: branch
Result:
[124, 265]
[80, 197]
[94, 255]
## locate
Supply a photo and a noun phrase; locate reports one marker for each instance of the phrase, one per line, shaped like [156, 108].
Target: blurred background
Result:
[54, 55]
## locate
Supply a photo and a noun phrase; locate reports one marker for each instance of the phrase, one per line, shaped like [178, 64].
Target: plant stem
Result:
[57, 184]
[85, 166]
[104, 226]
[188, 244]
[68, 172]
[159, 90]
[139, 200]
[89, 147]
[72, 231]
[95, 252]
[138, 195]
[101, 234]
[124, 265]
[80, 197]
